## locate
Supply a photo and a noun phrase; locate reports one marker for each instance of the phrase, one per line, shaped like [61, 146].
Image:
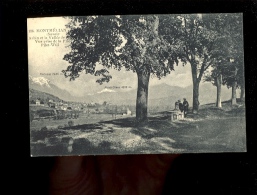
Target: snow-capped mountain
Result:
[40, 81]
[44, 85]
[162, 94]
[106, 91]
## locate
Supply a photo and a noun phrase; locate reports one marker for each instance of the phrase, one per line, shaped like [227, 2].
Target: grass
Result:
[211, 130]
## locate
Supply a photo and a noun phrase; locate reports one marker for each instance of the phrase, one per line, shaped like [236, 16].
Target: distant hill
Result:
[159, 95]
[162, 95]
[35, 94]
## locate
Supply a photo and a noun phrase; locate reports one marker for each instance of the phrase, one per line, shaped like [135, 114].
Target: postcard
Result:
[136, 84]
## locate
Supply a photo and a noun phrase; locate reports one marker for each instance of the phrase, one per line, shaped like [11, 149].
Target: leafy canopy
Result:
[227, 54]
[129, 41]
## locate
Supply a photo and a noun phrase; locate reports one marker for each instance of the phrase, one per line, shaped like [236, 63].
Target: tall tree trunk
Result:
[242, 83]
[195, 89]
[242, 93]
[142, 97]
[218, 85]
[233, 99]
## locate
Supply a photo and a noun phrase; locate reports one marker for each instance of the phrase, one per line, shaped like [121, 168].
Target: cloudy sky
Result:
[48, 60]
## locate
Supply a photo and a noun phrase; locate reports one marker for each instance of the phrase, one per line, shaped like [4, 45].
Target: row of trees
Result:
[150, 45]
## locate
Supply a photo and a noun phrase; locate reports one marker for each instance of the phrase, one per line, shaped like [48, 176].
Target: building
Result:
[128, 111]
[38, 102]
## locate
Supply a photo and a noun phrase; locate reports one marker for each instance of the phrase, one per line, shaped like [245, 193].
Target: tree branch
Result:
[187, 54]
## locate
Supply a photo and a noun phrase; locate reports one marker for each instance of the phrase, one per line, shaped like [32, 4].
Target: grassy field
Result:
[212, 130]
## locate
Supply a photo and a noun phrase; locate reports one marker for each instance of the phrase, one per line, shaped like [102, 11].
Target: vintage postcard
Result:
[136, 84]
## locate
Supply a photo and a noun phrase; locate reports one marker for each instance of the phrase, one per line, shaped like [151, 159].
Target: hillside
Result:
[35, 94]
[44, 85]
[159, 95]
[162, 95]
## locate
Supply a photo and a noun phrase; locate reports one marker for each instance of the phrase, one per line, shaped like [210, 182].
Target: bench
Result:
[176, 115]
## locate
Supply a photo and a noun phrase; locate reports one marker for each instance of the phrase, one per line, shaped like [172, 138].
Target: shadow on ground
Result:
[212, 130]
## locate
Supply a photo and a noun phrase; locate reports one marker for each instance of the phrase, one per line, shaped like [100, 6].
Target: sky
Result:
[48, 60]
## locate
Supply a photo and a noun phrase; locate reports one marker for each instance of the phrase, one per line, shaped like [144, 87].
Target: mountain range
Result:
[159, 95]
[44, 85]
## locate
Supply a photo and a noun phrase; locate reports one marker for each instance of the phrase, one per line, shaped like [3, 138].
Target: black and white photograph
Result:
[136, 84]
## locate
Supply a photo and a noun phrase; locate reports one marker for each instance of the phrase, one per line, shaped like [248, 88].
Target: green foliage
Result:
[227, 54]
[146, 50]
[205, 40]
[132, 42]
[92, 40]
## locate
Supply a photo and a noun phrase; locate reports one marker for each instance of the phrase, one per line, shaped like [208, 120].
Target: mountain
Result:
[45, 97]
[44, 85]
[159, 95]
[207, 94]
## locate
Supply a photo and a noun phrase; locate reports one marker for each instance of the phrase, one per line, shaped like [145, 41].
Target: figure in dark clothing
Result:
[177, 105]
[185, 107]
[180, 105]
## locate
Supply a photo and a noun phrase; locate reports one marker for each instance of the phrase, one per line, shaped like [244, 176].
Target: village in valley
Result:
[42, 109]
[91, 107]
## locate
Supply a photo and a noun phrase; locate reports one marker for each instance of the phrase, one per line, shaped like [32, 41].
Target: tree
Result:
[195, 44]
[241, 79]
[231, 79]
[234, 69]
[209, 40]
[220, 56]
[215, 77]
[131, 42]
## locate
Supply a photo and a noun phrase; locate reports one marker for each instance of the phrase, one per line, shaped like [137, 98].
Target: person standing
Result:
[177, 105]
[180, 105]
[185, 106]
